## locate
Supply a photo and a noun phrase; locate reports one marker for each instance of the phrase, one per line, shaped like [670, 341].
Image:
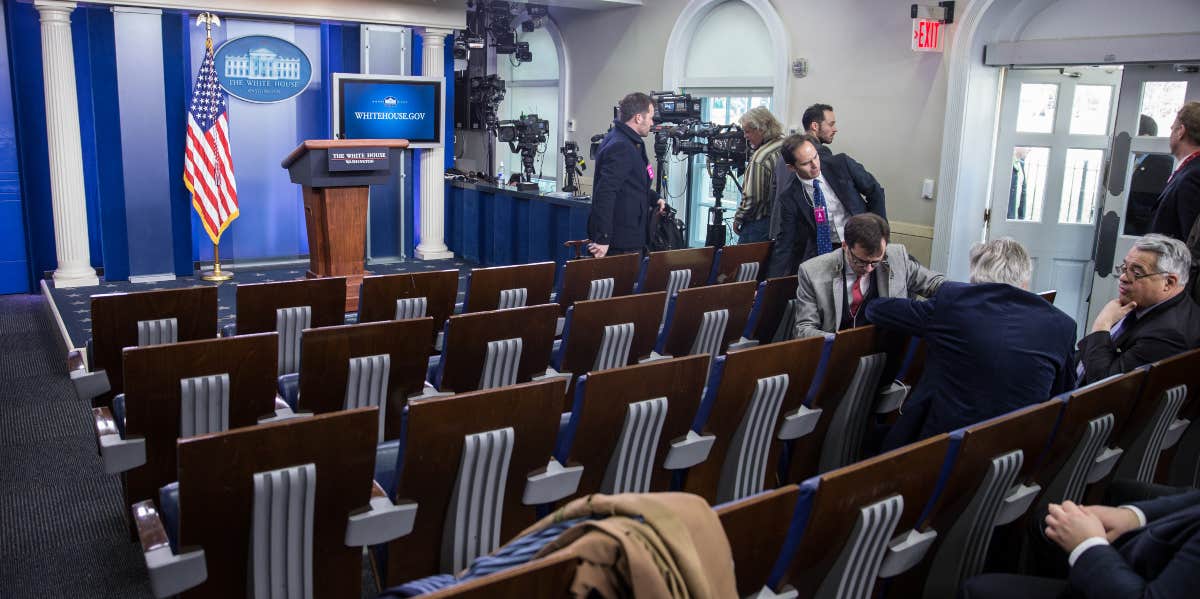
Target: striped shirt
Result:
[759, 186]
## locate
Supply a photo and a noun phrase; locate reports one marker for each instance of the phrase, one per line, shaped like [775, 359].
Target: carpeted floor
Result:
[62, 525]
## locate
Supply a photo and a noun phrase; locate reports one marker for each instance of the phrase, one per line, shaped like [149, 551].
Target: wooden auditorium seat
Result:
[705, 320]
[674, 270]
[289, 307]
[756, 528]
[509, 287]
[608, 333]
[280, 510]
[409, 295]
[376, 364]
[121, 320]
[630, 427]
[774, 315]
[477, 464]
[858, 523]
[1154, 424]
[751, 404]
[742, 262]
[986, 482]
[844, 395]
[492, 349]
[1180, 462]
[597, 278]
[178, 391]
[549, 577]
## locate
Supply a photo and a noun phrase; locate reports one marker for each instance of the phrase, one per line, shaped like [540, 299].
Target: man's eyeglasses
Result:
[1136, 275]
[859, 262]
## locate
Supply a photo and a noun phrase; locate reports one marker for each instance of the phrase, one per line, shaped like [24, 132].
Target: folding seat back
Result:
[504, 287]
[272, 511]
[608, 333]
[756, 528]
[706, 320]
[597, 278]
[630, 427]
[742, 262]
[1079, 453]
[985, 482]
[493, 349]
[1154, 423]
[289, 307]
[845, 394]
[477, 464]
[377, 364]
[121, 320]
[774, 315]
[547, 578]
[675, 270]
[409, 295]
[178, 391]
[753, 402]
[856, 523]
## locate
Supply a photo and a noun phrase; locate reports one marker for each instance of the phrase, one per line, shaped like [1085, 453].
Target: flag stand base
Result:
[216, 274]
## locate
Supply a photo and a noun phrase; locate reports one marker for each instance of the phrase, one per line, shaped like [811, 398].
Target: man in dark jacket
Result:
[1145, 549]
[993, 346]
[1179, 203]
[621, 192]
[814, 207]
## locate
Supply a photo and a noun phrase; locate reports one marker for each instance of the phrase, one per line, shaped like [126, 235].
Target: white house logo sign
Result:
[260, 68]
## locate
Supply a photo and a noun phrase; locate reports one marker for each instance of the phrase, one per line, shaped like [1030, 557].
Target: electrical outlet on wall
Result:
[927, 189]
[570, 125]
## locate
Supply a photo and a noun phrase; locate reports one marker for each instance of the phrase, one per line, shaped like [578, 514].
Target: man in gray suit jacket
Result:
[834, 287]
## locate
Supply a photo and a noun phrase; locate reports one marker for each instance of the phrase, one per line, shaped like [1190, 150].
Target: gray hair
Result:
[760, 119]
[1173, 255]
[1001, 260]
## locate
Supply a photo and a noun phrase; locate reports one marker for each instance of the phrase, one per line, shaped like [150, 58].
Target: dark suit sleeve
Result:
[1162, 506]
[1187, 202]
[1102, 573]
[785, 243]
[901, 314]
[610, 170]
[1101, 359]
[867, 187]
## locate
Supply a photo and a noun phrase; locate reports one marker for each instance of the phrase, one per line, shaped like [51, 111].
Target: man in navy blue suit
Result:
[993, 346]
[1179, 203]
[1145, 549]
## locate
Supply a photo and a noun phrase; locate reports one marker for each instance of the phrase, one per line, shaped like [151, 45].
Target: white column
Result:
[433, 165]
[66, 155]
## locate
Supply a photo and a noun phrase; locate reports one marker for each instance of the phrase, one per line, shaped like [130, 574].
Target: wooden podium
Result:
[337, 175]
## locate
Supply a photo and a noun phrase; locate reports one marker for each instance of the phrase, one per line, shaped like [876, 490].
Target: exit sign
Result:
[927, 35]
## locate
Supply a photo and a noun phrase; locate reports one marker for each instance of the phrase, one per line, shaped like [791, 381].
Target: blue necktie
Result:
[821, 214]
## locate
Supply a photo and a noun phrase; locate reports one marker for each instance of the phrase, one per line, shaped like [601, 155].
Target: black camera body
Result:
[524, 136]
[573, 165]
[488, 92]
[670, 107]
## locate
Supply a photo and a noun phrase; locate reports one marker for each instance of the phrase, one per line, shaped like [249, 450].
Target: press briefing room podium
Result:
[337, 175]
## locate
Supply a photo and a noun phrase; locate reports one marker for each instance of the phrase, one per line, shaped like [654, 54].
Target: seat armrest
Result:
[743, 343]
[788, 592]
[551, 483]
[1018, 500]
[552, 374]
[655, 356]
[800, 422]
[90, 385]
[75, 361]
[381, 521]
[282, 414]
[905, 551]
[1103, 464]
[558, 326]
[429, 392]
[170, 574]
[229, 330]
[117, 453]
[689, 451]
[1175, 432]
[891, 398]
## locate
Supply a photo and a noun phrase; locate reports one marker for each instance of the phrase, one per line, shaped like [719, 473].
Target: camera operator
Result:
[764, 133]
[621, 192]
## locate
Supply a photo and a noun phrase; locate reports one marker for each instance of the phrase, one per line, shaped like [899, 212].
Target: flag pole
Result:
[209, 20]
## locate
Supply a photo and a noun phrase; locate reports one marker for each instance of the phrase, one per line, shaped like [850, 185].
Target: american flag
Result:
[207, 163]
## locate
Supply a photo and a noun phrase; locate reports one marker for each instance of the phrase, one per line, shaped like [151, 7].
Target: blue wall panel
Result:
[177, 70]
[103, 171]
[14, 258]
[91, 30]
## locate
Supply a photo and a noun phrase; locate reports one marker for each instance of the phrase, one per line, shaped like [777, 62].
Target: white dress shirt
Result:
[1090, 542]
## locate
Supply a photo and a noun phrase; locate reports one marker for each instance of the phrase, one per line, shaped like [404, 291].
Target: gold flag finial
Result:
[209, 20]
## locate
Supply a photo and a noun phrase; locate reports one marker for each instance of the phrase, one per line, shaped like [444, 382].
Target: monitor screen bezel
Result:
[439, 84]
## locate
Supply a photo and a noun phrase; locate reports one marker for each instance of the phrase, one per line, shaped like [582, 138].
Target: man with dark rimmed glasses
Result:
[1151, 318]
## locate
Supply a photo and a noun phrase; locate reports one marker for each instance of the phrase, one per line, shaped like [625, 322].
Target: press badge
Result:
[819, 213]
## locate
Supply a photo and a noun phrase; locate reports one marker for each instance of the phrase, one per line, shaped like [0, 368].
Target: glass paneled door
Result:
[1051, 145]
[1150, 95]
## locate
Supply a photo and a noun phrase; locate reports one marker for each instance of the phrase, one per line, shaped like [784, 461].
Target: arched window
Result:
[735, 58]
[535, 88]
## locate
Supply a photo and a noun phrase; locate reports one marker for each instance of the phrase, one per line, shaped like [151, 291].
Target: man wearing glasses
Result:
[833, 287]
[1151, 319]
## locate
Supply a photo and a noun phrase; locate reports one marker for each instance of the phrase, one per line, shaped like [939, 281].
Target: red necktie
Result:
[856, 296]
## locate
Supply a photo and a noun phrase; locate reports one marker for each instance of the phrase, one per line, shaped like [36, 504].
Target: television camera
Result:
[573, 166]
[524, 136]
[670, 107]
[487, 93]
[725, 150]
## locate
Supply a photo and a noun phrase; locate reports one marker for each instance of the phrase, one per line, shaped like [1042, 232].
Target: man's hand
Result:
[1116, 520]
[1068, 525]
[1111, 314]
[598, 250]
[737, 227]
[662, 206]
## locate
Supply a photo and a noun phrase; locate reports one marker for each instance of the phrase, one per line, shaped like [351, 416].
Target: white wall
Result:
[889, 100]
[1102, 18]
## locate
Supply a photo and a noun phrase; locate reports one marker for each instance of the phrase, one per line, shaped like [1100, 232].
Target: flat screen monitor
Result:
[389, 107]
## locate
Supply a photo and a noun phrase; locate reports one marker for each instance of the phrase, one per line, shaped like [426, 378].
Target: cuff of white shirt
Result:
[1141, 516]
[1087, 543]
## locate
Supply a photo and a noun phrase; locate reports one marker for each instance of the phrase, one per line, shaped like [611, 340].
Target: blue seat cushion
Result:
[119, 413]
[289, 389]
[168, 505]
